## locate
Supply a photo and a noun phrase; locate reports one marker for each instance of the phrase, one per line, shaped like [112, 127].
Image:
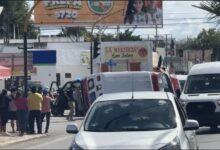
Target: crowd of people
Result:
[23, 112]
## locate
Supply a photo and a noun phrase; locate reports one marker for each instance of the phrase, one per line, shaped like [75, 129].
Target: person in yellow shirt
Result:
[35, 105]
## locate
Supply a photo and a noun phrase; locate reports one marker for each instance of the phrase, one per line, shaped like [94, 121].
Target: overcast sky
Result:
[181, 19]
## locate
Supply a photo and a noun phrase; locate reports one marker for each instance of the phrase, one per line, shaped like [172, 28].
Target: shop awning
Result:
[5, 72]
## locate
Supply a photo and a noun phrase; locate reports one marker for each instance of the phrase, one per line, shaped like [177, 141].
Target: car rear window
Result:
[127, 83]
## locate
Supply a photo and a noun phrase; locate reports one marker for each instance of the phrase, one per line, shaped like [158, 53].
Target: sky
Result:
[181, 20]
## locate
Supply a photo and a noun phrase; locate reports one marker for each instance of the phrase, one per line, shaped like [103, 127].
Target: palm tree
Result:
[212, 7]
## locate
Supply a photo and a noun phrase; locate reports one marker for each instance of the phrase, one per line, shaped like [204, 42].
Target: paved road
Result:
[208, 139]
[56, 139]
[59, 139]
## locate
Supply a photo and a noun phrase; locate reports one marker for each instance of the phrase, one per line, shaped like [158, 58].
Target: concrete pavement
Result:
[208, 139]
[57, 138]
[11, 138]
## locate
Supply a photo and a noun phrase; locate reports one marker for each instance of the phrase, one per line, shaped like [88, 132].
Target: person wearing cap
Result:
[35, 106]
[46, 109]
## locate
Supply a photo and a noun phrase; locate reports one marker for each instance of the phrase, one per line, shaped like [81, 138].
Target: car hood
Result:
[125, 140]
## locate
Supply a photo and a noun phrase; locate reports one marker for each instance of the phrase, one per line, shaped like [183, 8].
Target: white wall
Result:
[45, 74]
[68, 59]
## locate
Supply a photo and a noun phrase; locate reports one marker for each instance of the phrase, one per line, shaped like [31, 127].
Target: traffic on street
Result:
[109, 74]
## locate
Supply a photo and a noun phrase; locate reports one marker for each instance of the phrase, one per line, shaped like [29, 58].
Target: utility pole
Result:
[156, 38]
[118, 28]
[25, 47]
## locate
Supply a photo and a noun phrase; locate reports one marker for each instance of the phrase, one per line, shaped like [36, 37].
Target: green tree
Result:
[206, 39]
[12, 20]
[75, 32]
[128, 36]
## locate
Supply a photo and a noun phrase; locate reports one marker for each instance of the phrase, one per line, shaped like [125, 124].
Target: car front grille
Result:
[200, 108]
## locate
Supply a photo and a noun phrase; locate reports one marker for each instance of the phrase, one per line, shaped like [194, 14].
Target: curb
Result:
[20, 139]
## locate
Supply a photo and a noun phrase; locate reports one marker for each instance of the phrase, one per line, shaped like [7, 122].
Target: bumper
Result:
[206, 119]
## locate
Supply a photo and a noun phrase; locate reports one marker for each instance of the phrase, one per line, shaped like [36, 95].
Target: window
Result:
[167, 84]
[67, 86]
[131, 115]
[181, 111]
[205, 83]
[67, 75]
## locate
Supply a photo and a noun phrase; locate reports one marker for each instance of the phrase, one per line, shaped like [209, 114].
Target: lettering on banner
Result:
[56, 4]
[65, 14]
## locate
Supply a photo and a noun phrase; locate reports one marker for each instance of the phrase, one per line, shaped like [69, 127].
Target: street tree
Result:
[12, 20]
[206, 39]
[74, 33]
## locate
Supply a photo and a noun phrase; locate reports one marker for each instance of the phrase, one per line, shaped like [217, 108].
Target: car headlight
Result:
[174, 145]
[74, 146]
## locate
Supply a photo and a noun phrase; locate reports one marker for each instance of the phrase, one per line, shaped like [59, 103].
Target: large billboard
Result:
[147, 13]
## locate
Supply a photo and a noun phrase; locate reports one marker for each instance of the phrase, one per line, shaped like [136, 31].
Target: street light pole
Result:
[26, 22]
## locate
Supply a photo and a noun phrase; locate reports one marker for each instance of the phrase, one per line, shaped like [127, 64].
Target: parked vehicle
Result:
[182, 80]
[201, 95]
[96, 85]
[176, 85]
[135, 120]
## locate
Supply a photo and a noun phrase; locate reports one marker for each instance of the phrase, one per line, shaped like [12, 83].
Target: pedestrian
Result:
[46, 109]
[40, 90]
[71, 102]
[35, 105]
[12, 110]
[22, 113]
[4, 107]
[78, 102]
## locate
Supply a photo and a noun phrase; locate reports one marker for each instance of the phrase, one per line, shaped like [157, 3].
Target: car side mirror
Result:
[191, 125]
[72, 129]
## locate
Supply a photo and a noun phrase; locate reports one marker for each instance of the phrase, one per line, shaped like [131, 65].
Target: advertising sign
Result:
[126, 55]
[133, 51]
[119, 53]
[85, 58]
[85, 12]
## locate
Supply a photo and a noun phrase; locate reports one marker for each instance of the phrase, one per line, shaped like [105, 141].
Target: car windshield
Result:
[131, 115]
[207, 83]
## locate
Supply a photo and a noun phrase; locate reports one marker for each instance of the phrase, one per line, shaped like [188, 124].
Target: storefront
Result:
[124, 56]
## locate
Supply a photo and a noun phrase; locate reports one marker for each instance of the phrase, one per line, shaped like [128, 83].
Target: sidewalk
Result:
[11, 138]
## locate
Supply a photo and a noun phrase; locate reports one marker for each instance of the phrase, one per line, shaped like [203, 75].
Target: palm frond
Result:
[212, 7]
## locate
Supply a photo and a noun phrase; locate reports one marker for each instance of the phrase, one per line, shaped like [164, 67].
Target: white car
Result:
[138, 120]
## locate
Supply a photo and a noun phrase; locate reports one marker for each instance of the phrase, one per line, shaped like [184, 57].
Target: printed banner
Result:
[85, 12]
[85, 58]
[127, 53]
